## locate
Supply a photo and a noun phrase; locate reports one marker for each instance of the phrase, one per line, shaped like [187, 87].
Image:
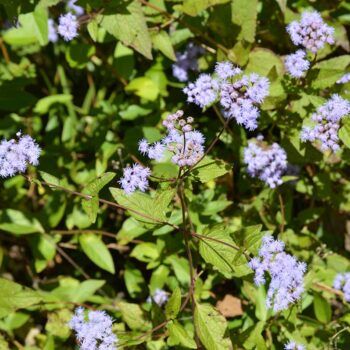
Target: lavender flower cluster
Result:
[292, 345]
[344, 79]
[311, 33]
[135, 177]
[16, 155]
[268, 163]
[287, 274]
[186, 61]
[327, 119]
[239, 95]
[342, 283]
[96, 332]
[184, 143]
[160, 297]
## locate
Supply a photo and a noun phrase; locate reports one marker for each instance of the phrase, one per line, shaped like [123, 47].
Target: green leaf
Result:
[244, 14]
[147, 209]
[209, 169]
[130, 27]
[143, 87]
[13, 296]
[179, 336]
[97, 251]
[322, 309]
[93, 188]
[172, 307]
[50, 179]
[195, 7]
[134, 281]
[254, 339]
[45, 103]
[344, 134]
[134, 317]
[78, 54]
[16, 222]
[162, 42]
[264, 61]
[211, 327]
[145, 252]
[218, 251]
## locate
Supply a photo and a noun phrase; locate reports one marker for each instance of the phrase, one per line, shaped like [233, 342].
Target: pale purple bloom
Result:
[185, 144]
[286, 273]
[292, 345]
[160, 297]
[344, 79]
[186, 61]
[78, 10]
[95, 333]
[240, 99]
[203, 91]
[143, 146]
[226, 70]
[268, 163]
[311, 32]
[296, 64]
[53, 36]
[135, 177]
[342, 283]
[68, 26]
[15, 156]
[327, 123]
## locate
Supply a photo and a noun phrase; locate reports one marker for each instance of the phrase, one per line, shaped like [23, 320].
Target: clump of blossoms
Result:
[292, 345]
[239, 95]
[185, 144]
[327, 119]
[342, 283]
[344, 79]
[95, 333]
[296, 64]
[16, 155]
[286, 273]
[186, 61]
[78, 10]
[135, 177]
[52, 35]
[268, 163]
[68, 26]
[160, 297]
[311, 32]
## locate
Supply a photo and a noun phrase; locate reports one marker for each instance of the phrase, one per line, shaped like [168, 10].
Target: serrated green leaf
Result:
[97, 251]
[50, 179]
[322, 309]
[162, 42]
[172, 307]
[209, 169]
[195, 7]
[143, 87]
[179, 336]
[134, 317]
[211, 327]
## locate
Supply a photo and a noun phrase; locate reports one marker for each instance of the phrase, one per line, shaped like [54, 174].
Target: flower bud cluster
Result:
[182, 141]
[160, 297]
[327, 120]
[342, 283]
[311, 32]
[68, 26]
[286, 273]
[186, 61]
[344, 79]
[268, 163]
[292, 345]
[135, 177]
[15, 156]
[238, 95]
[96, 332]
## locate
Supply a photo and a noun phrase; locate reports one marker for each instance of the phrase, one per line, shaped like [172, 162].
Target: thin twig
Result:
[73, 232]
[326, 288]
[283, 218]
[4, 51]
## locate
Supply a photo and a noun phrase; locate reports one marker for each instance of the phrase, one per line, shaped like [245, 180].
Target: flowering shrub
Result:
[174, 174]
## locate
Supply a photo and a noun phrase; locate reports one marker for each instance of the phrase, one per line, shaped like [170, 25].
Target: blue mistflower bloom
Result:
[68, 26]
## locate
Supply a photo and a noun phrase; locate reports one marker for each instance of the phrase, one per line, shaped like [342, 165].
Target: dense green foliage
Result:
[69, 236]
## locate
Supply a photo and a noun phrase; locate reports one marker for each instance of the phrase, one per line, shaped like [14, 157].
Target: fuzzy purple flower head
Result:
[342, 283]
[160, 297]
[344, 79]
[135, 177]
[68, 26]
[185, 144]
[327, 119]
[268, 163]
[186, 61]
[296, 64]
[292, 345]
[53, 36]
[95, 333]
[286, 273]
[78, 10]
[225, 70]
[311, 32]
[15, 156]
